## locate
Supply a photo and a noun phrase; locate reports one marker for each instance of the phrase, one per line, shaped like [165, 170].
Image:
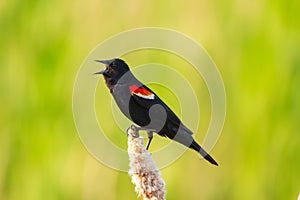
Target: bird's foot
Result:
[134, 132]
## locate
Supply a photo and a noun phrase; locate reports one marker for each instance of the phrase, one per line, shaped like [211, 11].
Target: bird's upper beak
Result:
[106, 62]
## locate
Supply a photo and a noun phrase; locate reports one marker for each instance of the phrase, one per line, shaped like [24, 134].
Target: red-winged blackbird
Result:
[142, 106]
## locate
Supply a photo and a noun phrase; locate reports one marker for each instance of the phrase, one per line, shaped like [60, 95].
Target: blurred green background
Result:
[255, 45]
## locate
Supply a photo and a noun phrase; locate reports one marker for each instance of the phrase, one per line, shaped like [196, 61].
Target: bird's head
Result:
[115, 68]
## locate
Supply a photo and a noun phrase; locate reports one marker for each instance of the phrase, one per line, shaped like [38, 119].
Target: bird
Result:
[143, 106]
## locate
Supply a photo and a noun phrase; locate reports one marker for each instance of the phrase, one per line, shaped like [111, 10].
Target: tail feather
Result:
[205, 155]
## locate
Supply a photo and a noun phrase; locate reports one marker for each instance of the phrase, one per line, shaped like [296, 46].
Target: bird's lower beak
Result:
[101, 72]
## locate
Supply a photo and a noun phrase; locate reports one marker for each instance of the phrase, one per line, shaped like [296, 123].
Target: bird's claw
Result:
[134, 132]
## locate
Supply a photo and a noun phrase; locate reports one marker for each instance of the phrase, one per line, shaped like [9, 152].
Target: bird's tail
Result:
[203, 153]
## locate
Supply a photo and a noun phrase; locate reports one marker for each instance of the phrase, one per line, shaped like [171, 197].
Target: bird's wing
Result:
[146, 98]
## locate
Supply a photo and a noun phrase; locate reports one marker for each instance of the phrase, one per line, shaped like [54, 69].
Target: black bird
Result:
[142, 106]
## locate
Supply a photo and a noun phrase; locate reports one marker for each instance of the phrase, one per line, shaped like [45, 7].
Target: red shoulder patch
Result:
[141, 92]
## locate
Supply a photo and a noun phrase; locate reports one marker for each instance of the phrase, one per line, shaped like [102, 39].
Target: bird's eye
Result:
[114, 65]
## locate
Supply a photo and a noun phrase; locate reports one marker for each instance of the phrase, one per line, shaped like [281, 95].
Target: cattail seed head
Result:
[144, 174]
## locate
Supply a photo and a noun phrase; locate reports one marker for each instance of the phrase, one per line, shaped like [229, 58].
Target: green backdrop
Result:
[255, 45]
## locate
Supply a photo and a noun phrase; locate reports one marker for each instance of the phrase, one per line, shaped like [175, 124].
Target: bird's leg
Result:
[149, 133]
[150, 137]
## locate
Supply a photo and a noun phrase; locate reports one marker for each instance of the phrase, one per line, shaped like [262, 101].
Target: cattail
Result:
[144, 174]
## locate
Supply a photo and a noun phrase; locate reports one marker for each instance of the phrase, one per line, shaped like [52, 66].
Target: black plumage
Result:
[142, 106]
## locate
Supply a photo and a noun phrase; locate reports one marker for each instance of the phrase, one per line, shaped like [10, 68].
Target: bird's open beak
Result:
[106, 62]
